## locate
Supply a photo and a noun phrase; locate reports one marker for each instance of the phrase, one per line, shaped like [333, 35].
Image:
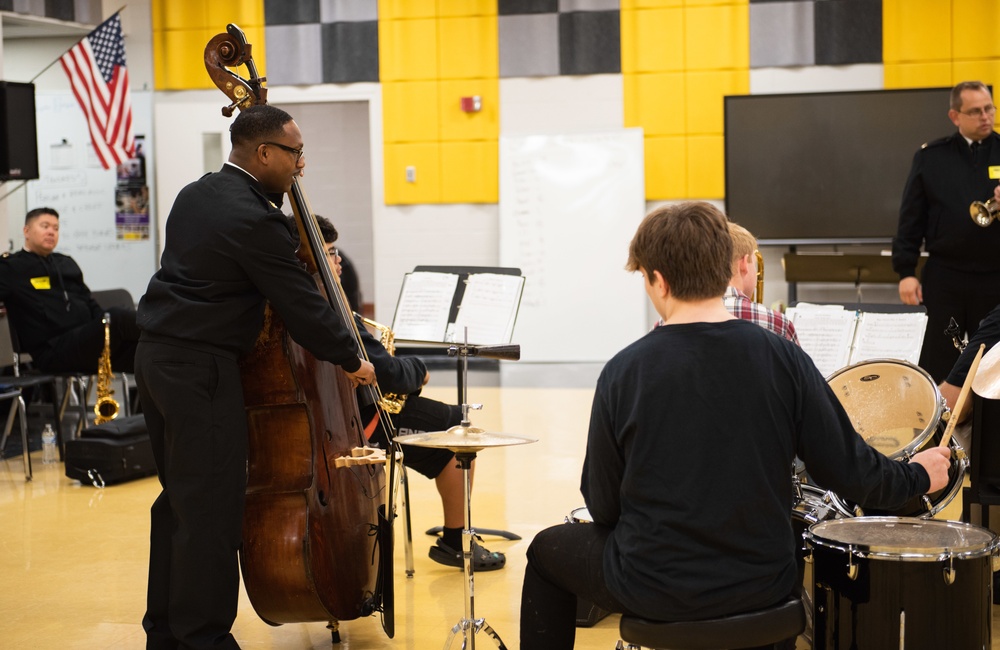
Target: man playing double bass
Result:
[228, 250]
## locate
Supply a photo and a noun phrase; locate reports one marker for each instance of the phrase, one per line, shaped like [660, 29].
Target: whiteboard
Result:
[72, 181]
[569, 205]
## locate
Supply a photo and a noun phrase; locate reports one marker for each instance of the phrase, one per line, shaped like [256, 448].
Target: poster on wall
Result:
[132, 196]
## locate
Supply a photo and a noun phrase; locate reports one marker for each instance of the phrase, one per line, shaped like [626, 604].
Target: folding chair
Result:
[12, 388]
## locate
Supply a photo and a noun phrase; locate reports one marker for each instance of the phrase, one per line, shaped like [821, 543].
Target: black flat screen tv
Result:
[826, 167]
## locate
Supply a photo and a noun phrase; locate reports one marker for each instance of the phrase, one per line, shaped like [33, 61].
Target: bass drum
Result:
[897, 409]
[892, 582]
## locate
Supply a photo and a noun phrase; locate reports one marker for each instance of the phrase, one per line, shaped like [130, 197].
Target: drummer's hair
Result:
[689, 244]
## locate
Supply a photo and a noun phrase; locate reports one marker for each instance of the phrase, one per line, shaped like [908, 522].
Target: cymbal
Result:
[986, 383]
[463, 439]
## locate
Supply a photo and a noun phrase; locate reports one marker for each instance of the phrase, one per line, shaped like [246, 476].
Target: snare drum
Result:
[897, 409]
[579, 516]
[891, 582]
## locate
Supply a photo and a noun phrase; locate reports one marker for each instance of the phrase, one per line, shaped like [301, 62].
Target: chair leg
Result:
[24, 436]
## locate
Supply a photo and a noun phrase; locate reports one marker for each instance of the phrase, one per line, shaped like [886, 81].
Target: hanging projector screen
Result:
[826, 167]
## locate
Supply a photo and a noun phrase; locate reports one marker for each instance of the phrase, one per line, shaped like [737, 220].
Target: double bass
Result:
[317, 537]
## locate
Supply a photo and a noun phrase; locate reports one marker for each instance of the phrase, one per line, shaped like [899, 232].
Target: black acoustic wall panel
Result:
[18, 138]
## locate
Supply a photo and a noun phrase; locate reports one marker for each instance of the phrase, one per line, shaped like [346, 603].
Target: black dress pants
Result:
[194, 410]
[966, 297]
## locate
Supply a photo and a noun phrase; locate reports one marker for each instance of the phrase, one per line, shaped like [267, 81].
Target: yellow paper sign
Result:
[41, 283]
[994, 171]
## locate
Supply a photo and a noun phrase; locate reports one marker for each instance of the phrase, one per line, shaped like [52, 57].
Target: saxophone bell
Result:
[106, 408]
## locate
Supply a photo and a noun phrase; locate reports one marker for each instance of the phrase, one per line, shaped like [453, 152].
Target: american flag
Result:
[96, 70]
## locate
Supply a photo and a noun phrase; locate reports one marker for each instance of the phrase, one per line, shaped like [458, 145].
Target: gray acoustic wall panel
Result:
[350, 51]
[781, 34]
[590, 42]
[294, 54]
[848, 31]
[348, 11]
[283, 12]
[529, 45]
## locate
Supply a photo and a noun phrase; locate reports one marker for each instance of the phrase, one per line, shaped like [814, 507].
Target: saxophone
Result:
[390, 402]
[106, 408]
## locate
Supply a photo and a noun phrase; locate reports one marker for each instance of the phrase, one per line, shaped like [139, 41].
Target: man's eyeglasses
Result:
[332, 253]
[979, 112]
[298, 152]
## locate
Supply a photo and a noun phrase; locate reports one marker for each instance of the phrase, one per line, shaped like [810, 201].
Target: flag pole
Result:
[58, 58]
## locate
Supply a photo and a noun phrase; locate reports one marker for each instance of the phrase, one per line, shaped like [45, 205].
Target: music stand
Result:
[462, 366]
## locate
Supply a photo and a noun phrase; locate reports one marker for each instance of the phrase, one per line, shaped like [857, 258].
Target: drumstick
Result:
[953, 420]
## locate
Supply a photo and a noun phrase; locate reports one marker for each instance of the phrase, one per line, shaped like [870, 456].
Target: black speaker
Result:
[18, 138]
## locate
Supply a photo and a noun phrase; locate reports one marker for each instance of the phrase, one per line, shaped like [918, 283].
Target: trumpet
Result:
[106, 408]
[984, 212]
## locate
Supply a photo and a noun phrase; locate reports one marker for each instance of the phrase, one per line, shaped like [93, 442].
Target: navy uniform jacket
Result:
[45, 297]
[228, 250]
[944, 180]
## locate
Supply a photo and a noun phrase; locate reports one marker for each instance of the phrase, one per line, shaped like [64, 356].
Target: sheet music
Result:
[826, 335]
[889, 336]
[488, 309]
[424, 306]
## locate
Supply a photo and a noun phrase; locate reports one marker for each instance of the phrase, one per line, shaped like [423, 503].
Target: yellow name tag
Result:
[994, 171]
[41, 283]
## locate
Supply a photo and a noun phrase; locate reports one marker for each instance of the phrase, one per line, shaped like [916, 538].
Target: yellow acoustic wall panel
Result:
[679, 60]
[430, 58]
[180, 59]
[468, 48]
[717, 37]
[655, 40]
[706, 165]
[973, 29]
[406, 49]
[467, 8]
[410, 111]
[182, 28]
[986, 70]
[628, 5]
[456, 124]
[918, 75]
[470, 172]
[916, 30]
[705, 106]
[422, 161]
[655, 102]
[389, 9]
[666, 167]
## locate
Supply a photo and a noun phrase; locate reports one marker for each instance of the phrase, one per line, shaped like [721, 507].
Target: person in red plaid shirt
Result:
[741, 287]
[742, 284]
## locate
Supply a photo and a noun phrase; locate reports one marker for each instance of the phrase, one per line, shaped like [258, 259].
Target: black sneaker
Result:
[482, 559]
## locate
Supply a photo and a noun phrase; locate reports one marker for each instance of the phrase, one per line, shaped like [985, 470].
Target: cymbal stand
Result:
[463, 351]
[469, 626]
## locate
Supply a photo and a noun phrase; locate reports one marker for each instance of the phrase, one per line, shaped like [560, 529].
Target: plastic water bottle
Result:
[49, 452]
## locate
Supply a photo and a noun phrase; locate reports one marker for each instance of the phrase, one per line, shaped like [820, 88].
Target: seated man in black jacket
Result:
[406, 376]
[55, 318]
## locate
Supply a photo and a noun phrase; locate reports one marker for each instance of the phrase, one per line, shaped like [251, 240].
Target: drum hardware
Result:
[955, 332]
[984, 212]
[852, 568]
[466, 441]
[949, 572]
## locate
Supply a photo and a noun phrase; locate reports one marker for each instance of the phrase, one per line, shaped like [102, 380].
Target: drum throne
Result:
[774, 628]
